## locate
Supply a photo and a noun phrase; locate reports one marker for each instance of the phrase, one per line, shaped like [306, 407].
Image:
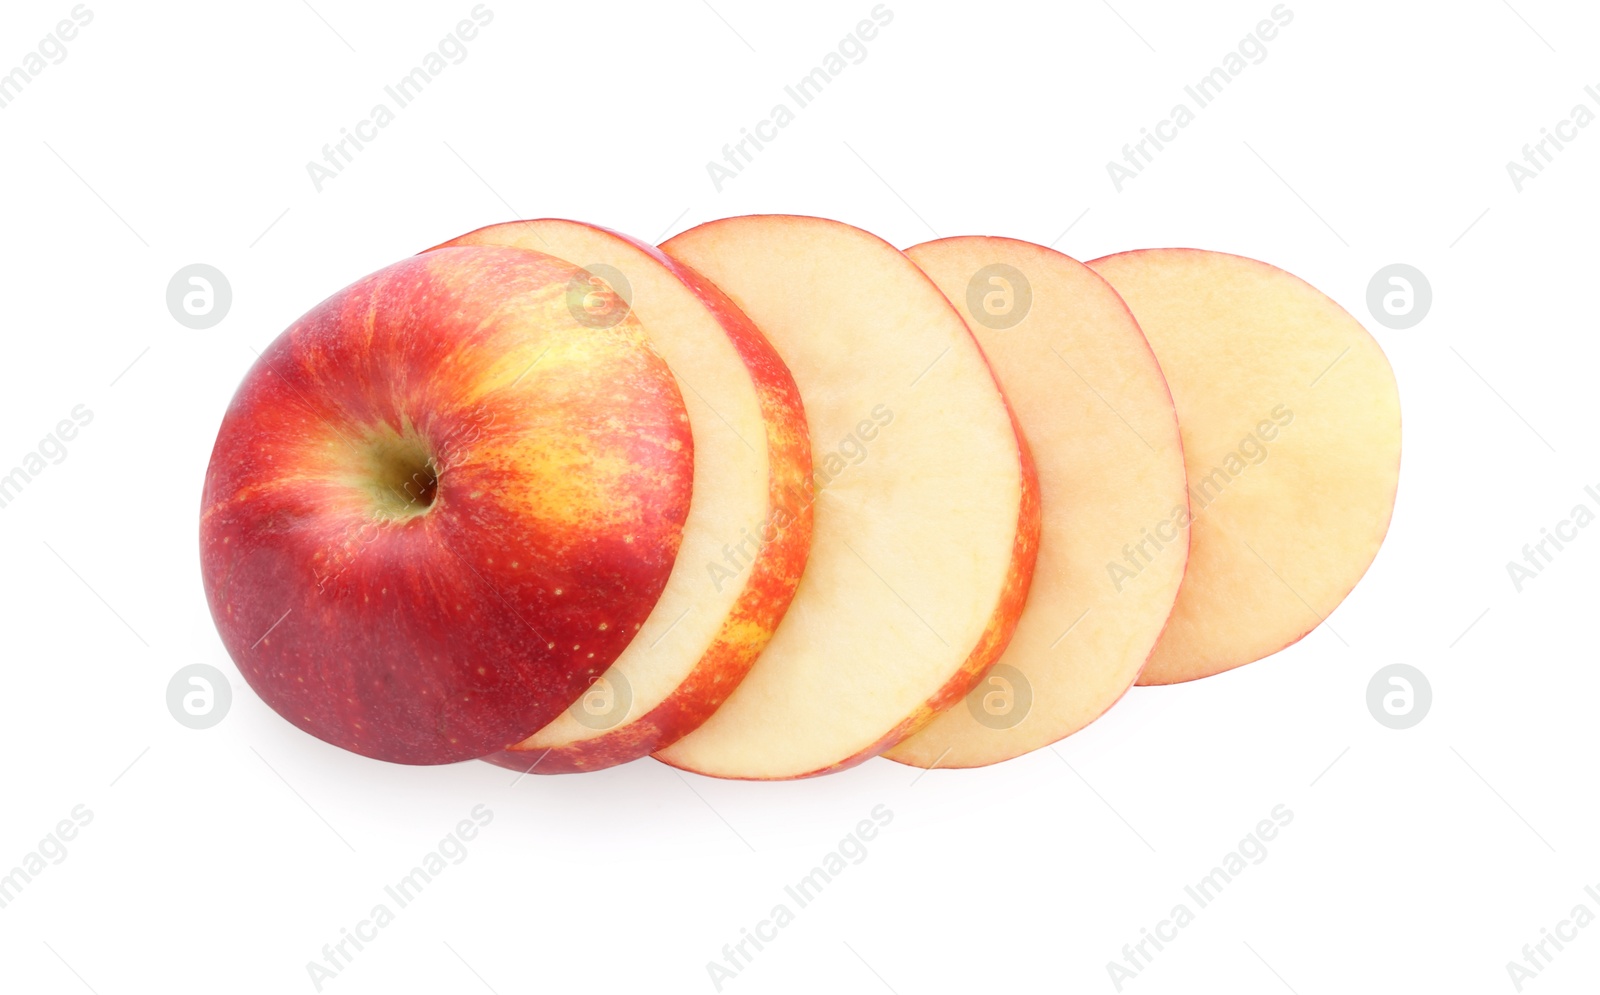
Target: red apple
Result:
[442, 503]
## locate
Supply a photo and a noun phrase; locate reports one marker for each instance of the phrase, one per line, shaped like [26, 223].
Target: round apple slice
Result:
[1291, 433]
[924, 499]
[1114, 535]
[749, 525]
[440, 505]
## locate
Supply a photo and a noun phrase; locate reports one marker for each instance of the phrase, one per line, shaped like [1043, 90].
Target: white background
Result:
[224, 859]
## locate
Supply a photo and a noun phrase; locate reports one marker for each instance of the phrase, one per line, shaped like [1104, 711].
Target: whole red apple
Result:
[443, 502]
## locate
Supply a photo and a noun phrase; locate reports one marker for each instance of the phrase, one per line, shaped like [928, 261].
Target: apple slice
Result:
[439, 505]
[925, 501]
[1113, 539]
[1291, 433]
[749, 525]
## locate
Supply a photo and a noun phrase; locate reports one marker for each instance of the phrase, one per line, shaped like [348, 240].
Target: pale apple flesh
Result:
[924, 502]
[1291, 429]
[439, 506]
[1113, 539]
[748, 528]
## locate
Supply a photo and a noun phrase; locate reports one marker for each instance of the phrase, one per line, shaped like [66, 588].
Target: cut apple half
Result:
[749, 523]
[1113, 540]
[1291, 432]
[923, 495]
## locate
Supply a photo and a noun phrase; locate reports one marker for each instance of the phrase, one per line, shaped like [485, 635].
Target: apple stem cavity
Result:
[399, 474]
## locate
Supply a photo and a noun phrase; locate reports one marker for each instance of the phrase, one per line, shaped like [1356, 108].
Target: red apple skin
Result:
[564, 473]
[772, 578]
